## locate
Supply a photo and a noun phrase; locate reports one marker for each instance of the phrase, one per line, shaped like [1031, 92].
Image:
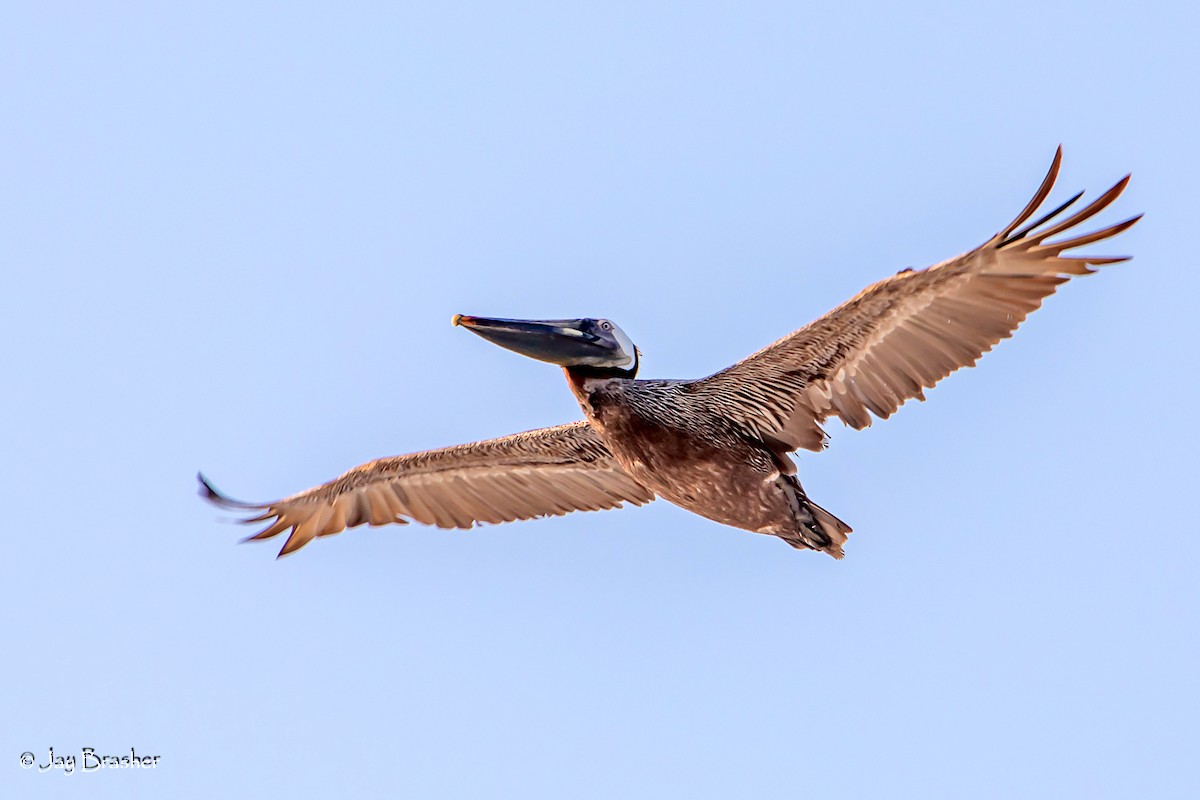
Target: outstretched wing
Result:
[547, 472]
[907, 332]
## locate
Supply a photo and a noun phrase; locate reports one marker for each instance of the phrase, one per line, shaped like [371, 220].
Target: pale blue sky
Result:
[234, 237]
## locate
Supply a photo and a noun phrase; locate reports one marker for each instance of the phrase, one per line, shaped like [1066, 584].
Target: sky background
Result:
[234, 235]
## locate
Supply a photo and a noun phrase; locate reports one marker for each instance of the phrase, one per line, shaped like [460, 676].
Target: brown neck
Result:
[575, 379]
[577, 376]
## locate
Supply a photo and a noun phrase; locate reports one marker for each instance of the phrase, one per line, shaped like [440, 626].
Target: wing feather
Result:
[546, 472]
[905, 333]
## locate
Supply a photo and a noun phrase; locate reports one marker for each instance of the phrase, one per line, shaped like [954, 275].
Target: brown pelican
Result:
[717, 446]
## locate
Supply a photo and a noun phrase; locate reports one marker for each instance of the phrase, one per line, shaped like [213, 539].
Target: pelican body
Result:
[675, 442]
[716, 446]
[671, 436]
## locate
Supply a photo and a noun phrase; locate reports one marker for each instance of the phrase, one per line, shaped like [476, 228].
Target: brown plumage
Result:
[717, 446]
[905, 333]
[547, 472]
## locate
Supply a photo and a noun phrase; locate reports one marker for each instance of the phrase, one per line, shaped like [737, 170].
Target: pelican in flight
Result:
[717, 446]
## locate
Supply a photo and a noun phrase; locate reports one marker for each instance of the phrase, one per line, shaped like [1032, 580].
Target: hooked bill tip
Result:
[456, 319]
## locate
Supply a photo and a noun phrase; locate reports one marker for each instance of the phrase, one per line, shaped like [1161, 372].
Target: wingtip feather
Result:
[1038, 198]
[212, 495]
[293, 543]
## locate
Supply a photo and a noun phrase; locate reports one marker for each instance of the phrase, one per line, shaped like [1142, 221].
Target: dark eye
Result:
[606, 326]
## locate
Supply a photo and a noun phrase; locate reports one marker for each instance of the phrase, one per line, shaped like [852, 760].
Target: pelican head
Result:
[594, 343]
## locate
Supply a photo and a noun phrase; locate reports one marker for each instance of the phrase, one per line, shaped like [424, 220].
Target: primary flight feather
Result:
[716, 446]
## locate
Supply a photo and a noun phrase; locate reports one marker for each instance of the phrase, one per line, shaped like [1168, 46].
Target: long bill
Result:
[562, 341]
